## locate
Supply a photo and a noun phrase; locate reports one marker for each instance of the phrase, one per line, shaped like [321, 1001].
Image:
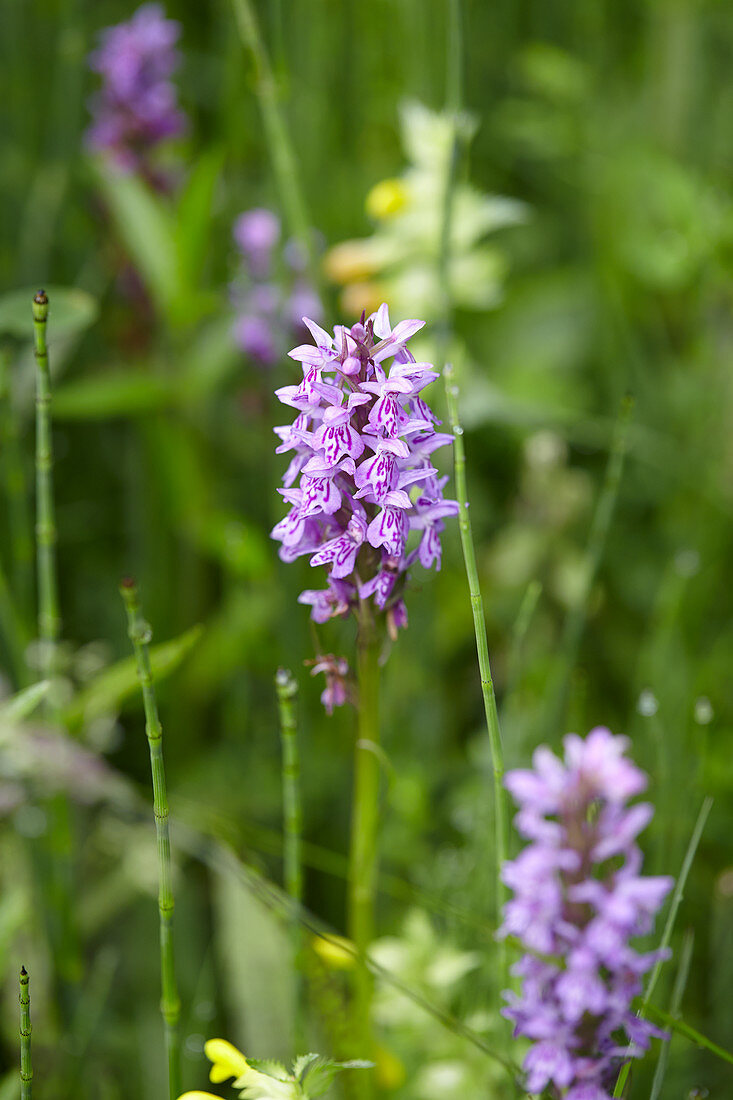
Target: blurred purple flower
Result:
[579, 898]
[361, 440]
[136, 107]
[256, 232]
[269, 315]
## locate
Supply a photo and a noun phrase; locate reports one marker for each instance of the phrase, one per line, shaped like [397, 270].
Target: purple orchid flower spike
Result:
[136, 108]
[578, 901]
[362, 444]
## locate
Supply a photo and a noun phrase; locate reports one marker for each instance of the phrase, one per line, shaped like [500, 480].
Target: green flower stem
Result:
[287, 693]
[280, 146]
[49, 619]
[140, 634]
[363, 857]
[482, 649]
[26, 1067]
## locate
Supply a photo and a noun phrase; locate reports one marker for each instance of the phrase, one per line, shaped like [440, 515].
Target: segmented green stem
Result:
[364, 852]
[287, 693]
[49, 620]
[140, 635]
[60, 840]
[482, 648]
[26, 1067]
[283, 158]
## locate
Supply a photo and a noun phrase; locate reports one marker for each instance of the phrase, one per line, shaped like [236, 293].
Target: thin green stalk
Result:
[575, 621]
[454, 59]
[482, 649]
[278, 140]
[140, 635]
[674, 1007]
[26, 1067]
[364, 852]
[287, 692]
[49, 619]
[677, 895]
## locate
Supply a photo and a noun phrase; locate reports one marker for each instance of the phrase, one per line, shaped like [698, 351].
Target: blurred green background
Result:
[611, 122]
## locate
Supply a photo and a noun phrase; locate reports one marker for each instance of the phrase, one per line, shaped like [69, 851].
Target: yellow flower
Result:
[226, 1060]
[335, 951]
[349, 261]
[198, 1096]
[386, 199]
[358, 296]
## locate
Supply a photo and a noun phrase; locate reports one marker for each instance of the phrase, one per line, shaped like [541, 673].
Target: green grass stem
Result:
[491, 713]
[674, 1008]
[279, 143]
[26, 1066]
[140, 635]
[677, 895]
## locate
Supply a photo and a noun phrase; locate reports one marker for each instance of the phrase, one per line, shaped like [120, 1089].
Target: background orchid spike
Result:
[270, 291]
[362, 441]
[310, 1076]
[578, 900]
[137, 105]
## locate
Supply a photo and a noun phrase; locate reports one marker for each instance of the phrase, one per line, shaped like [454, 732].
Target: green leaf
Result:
[148, 232]
[316, 1073]
[117, 393]
[270, 1067]
[70, 310]
[210, 361]
[689, 1032]
[107, 691]
[193, 222]
[23, 703]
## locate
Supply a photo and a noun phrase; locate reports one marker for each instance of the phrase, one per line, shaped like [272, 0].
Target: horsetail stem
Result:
[140, 634]
[60, 837]
[26, 1067]
[287, 693]
[49, 620]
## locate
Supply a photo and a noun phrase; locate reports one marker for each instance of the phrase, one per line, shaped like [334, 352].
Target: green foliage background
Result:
[611, 121]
